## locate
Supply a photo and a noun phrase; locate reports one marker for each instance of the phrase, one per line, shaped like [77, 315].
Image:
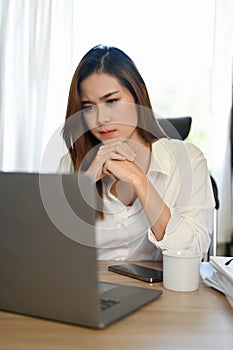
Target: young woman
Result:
[155, 192]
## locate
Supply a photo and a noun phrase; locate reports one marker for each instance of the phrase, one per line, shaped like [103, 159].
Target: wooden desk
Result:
[195, 320]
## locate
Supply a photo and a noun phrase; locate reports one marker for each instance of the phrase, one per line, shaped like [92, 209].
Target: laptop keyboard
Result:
[107, 303]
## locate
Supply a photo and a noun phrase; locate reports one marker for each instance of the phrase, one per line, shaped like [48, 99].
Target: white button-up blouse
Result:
[179, 173]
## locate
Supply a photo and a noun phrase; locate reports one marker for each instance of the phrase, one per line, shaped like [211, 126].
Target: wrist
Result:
[139, 181]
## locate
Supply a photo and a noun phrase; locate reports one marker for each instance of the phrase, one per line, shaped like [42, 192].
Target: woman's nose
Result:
[103, 114]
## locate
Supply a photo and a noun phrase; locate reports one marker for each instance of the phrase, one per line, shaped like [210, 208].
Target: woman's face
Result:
[109, 108]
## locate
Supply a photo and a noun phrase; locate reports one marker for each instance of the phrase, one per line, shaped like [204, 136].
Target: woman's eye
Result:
[89, 109]
[112, 101]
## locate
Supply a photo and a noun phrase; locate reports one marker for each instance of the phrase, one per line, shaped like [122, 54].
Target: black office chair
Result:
[176, 128]
[179, 128]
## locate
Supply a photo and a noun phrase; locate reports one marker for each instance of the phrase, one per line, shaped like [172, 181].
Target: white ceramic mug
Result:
[181, 270]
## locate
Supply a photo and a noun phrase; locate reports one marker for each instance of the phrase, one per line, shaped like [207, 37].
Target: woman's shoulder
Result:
[174, 145]
[66, 165]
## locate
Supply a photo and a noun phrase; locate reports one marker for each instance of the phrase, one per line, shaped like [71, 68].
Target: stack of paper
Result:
[218, 273]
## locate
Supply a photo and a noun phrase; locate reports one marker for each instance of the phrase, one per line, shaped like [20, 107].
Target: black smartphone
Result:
[142, 273]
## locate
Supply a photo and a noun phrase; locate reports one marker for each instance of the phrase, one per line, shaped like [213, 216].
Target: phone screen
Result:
[137, 271]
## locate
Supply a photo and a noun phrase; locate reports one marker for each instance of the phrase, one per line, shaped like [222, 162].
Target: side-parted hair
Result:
[112, 61]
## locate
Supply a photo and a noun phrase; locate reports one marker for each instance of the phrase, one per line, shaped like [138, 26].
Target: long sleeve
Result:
[189, 195]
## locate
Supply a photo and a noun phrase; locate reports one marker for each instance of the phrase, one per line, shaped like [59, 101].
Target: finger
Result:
[117, 156]
[126, 151]
[108, 172]
[112, 141]
[118, 147]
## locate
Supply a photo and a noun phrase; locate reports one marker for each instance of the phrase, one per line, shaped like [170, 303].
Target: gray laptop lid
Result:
[43, 272]
[48, 264]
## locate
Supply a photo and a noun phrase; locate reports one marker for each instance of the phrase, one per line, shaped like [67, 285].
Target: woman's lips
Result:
[107, 133]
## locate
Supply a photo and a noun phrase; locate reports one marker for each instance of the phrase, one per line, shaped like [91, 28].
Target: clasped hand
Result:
[114, 158]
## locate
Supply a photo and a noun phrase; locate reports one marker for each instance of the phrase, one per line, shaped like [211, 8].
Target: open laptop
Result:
[48, 265]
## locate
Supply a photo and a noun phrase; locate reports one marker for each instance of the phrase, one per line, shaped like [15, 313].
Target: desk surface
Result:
[196, 320]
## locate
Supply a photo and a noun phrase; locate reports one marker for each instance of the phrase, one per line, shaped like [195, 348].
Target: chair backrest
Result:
[215, 190]
[177, 127]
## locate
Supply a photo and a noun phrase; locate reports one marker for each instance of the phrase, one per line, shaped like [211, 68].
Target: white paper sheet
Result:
[217, 275]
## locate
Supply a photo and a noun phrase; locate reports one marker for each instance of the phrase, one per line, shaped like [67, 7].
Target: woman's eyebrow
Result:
[101, 98]
[109, 94]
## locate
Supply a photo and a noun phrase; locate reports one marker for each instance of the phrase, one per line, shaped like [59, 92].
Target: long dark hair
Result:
[112, 61]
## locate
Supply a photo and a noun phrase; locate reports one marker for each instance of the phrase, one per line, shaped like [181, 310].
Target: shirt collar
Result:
[160, 157]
